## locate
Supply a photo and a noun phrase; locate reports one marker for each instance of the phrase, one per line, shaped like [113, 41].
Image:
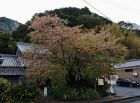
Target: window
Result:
[1, 60]
[128, 70]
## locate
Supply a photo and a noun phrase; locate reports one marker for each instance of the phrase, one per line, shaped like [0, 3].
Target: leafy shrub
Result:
[90, 94]
[70, 94]
[75, 94]
[58, 92]
[3, 85]
[20, 94]
[102, 89]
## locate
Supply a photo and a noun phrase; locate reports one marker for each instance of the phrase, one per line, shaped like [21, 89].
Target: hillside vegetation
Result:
[8, 25]
[87, 20]
[84, 16]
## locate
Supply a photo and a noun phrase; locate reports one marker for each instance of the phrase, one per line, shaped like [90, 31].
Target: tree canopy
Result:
[20, 35]
[7, 44]
[84, 16]
[75, 56]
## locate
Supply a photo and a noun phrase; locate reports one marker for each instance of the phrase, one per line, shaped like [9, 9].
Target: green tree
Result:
[125, 25]
[7, 44]
[20, 35]
[78, 55]
[76, 16]
[129, 39]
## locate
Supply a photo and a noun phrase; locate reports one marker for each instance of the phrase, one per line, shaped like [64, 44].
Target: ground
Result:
[127, 91]
[51, 100]
[130, 101]
[121, 92]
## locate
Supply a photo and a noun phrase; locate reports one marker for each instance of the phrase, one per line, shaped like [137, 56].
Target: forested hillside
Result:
[8, 25]
[84, 16]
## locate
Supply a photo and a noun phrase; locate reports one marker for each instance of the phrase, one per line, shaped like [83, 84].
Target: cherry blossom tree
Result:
[70, 52]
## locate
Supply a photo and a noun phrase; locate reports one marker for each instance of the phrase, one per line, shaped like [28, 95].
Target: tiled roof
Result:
[10, 61]
[135, 63]
[24, 46]
[29, 47]
[11, 65]
[12, 71]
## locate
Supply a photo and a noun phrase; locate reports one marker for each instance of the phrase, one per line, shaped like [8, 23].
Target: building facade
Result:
[11, 68]
[129, 69]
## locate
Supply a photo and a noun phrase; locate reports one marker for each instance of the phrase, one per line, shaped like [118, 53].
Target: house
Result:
[129, 69]
[11, 68]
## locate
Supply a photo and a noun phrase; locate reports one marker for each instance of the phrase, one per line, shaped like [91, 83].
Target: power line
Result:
[97, 10]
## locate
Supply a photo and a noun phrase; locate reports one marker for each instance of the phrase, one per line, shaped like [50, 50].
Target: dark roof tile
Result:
[11, 61]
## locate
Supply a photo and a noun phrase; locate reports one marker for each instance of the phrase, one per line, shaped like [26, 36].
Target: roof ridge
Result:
[22, 43]
[132, 60]
[10, 55]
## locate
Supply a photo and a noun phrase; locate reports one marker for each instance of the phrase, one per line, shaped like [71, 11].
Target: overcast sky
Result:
[116, 10]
